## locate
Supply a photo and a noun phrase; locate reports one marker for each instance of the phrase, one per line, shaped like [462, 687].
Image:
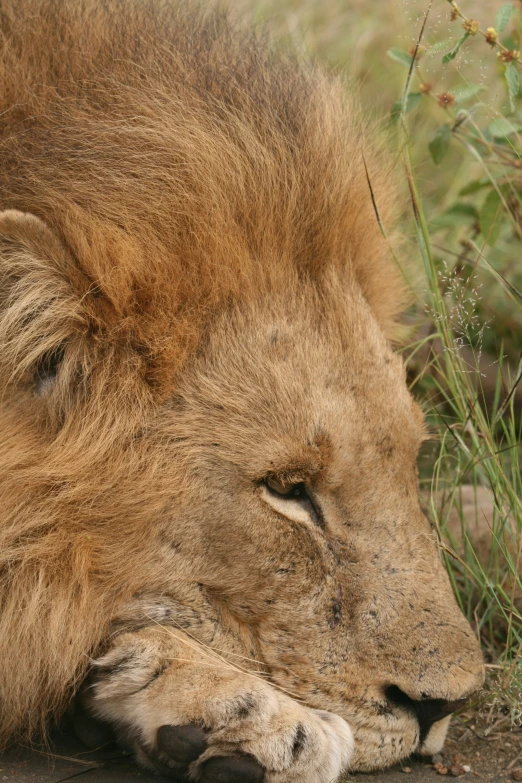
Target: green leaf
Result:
[439, 46]
[503, 127]
[503, 16]
[439, 144]
[509, 42]
[473, 187]
[399, 56]
[453, 53]
[412, 101]
[396, 111]
[414, 98]
[456, 215]
[465, 92]
[490, 217]
[513, 83]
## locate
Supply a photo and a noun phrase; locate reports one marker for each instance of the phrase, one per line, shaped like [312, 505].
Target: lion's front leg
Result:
[192, 715]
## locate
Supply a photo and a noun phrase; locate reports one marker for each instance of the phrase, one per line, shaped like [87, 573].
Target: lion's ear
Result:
[40, 305]
[23, 230]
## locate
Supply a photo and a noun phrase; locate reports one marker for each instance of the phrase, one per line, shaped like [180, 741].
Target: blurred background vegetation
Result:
[443, 82]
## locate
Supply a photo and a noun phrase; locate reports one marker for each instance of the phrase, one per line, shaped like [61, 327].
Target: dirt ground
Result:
[491, 759]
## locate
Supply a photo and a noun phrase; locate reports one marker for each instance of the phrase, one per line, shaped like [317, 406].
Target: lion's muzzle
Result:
[426, 711]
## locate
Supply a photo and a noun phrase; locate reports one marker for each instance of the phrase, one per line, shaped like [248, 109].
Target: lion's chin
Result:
[378, 749]
[434, 742]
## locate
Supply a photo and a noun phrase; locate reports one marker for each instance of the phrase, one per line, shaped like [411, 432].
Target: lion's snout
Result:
[414, 716]
[420, 662]
[438, 681]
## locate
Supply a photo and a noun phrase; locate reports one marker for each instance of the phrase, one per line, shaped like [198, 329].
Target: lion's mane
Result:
[180, 162]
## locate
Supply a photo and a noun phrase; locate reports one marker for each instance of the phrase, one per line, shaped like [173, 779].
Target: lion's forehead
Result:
[301, 362]
[300, 424]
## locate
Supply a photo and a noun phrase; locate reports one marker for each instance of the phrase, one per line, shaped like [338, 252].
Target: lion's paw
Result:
[310, 748]
[219, 726]
[180, 748]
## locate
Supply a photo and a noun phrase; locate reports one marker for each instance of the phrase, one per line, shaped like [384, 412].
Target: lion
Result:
[210, 528]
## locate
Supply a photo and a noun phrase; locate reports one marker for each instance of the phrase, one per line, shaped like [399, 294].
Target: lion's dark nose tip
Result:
[427, 711]
[432, 710]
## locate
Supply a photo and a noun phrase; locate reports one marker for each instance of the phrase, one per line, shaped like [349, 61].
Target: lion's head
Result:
[199, 397]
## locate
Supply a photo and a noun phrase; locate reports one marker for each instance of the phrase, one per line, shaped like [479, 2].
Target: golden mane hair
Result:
[183, 162]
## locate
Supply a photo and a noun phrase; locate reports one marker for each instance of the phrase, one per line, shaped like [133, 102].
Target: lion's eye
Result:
[285, 490]
[292, 500]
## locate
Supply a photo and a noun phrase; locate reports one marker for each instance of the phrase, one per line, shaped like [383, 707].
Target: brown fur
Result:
[199, 253]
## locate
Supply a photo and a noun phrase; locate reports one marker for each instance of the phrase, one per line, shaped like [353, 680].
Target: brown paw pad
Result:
[181, 744]
[232, 769]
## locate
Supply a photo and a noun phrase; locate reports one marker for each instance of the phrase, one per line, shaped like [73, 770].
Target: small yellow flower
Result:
[425, 87]
[471, 26]
[491, 36]
[454, 14]
[446, 99]
[508, 55]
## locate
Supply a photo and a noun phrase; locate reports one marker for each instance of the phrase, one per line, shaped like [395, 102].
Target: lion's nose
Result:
[427, 711]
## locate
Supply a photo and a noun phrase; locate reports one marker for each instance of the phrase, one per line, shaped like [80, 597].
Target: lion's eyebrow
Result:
[291, 475]
[308, 461]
